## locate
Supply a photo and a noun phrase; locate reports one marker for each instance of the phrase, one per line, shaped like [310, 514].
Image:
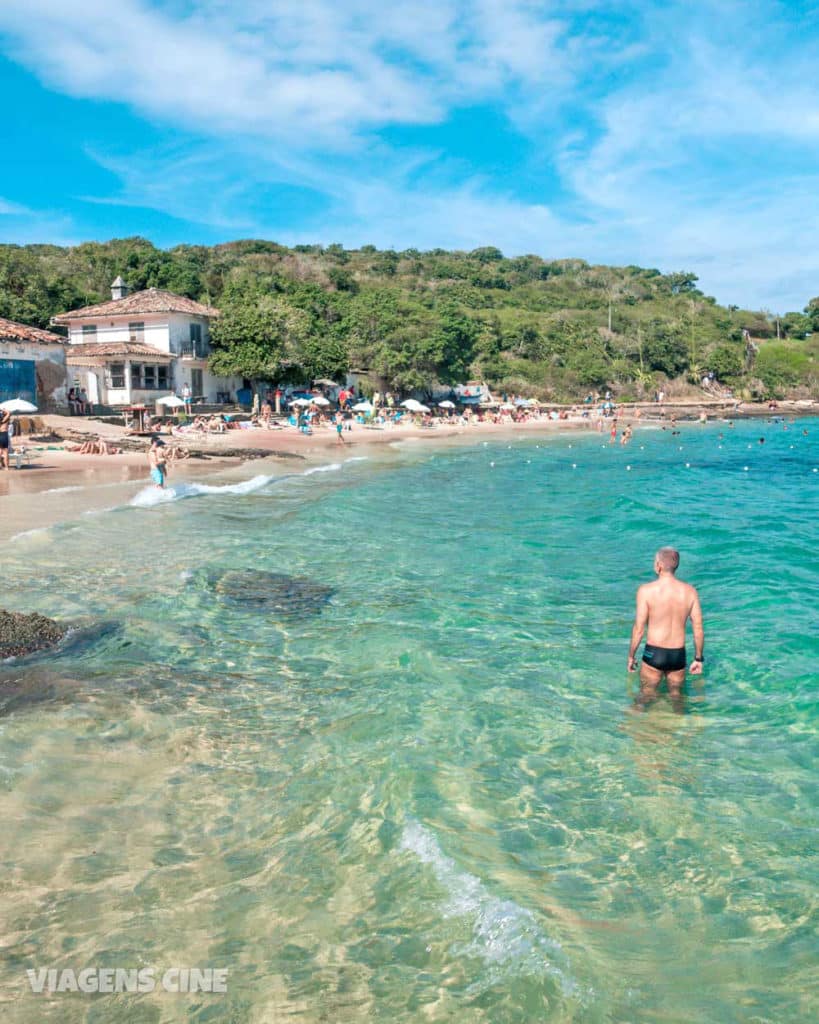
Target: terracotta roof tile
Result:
[102, 350]
[152, 300]
[11, 331]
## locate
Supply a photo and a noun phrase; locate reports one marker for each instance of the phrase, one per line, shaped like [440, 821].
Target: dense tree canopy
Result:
[553, 327]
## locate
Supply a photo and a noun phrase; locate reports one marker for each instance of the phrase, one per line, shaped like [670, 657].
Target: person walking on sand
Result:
[5, 436]
[664, 607]
[338, 419]
[157, 461]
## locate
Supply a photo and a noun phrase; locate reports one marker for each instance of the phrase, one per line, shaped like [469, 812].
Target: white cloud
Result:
[653, 116]
[315, 71]
[9, 209]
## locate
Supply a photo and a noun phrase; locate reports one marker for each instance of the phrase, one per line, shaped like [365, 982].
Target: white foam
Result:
[504, 934]
[150, 497]
[30, 533]
[331, 467]
[63, 490]
[357, 458]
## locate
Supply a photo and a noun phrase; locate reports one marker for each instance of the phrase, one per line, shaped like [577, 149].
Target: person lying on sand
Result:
[95, 446]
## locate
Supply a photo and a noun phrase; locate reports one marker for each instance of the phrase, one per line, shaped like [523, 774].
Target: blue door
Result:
[17, 380]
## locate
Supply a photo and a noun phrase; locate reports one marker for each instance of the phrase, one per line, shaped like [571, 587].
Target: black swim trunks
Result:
[664, 659]
[4, 439]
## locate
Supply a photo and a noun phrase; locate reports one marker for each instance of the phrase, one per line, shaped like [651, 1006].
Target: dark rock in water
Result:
[24, 634]
[273, 592]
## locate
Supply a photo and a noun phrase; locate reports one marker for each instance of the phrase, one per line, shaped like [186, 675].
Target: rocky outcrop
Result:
[22, 633]
[291, 597]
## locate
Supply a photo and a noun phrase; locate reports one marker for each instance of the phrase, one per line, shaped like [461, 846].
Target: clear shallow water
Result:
[430, 801]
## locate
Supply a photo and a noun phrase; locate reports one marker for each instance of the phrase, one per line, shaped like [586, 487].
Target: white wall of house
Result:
[165, 331]
[49, 366]
[156, 330]
[179, 325]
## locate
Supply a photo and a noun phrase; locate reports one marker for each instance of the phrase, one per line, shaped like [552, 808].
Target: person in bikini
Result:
[663, 608]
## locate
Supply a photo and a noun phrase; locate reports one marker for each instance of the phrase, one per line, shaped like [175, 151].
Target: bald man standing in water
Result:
[665, 606]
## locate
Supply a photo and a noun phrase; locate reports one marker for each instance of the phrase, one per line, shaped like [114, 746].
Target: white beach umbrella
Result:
[446, 405]
[301, 401]
[420, 407]
[171, 401]
[413, 405]
[18, 405]
[364, 407]
[320, 400]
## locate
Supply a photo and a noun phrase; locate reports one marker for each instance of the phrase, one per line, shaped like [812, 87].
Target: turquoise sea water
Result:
[429, 798]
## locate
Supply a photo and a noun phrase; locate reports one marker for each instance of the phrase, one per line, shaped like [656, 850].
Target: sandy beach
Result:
[67, 484]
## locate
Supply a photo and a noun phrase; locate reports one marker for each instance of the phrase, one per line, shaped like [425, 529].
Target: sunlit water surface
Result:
[429, 798]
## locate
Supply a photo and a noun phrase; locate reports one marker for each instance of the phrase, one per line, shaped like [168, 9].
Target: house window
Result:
[149, 376]
[117, 375]
[89, 332]
[136, 331]
[136, 375]
[197, 347]
[162, 378]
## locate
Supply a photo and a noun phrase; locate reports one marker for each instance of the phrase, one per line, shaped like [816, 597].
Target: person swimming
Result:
[663, 610]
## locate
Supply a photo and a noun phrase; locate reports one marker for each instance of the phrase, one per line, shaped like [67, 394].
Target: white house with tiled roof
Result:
[140, 346]
[32, 365]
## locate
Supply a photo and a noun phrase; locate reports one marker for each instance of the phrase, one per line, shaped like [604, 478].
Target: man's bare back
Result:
[663, 609]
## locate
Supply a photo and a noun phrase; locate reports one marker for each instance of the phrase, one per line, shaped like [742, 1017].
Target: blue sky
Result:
[671, 135]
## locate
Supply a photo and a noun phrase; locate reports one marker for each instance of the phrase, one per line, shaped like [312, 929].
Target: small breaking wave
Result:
[505, 936]
[150, 497]
[64, 490]
[331, 467]
[25, 534]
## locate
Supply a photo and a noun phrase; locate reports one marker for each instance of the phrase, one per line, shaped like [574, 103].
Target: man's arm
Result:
[699, 635]
[639, 627]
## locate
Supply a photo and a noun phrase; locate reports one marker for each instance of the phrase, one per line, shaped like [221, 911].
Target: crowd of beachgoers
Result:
[309, 412]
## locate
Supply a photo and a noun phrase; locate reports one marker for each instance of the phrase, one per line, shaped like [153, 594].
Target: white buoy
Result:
[628, 467]
[574, 466]
[491, 463]
[745, 468]
[688, 465]
[815, 470]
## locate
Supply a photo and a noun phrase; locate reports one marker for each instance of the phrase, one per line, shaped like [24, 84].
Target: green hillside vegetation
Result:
[551, 328]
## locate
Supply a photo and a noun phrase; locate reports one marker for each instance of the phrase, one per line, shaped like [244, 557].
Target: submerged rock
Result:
[277, 593]
[22, 633]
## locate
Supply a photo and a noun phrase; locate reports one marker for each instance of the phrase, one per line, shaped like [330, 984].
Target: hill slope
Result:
[555, 328]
